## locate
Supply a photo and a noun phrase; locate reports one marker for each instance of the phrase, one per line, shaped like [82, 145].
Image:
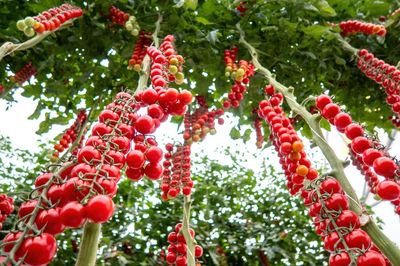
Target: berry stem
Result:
[191, 261]
[389, 248]
[8, 47]
[89, 245]
[144, 76]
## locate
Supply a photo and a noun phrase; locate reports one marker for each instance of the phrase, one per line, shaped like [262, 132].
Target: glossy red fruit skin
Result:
[330, 186]
[348, 219]
[342, 120]
[370, 155]
[385, 166]
[358, 239]
[371, 258]
[322, 101]
[134, 174]
[73, 215]
[341, 259]
[330, 110]
[154, 154]
[145, 124]
[99, 209]
[135, 159]
[40, 250]
[360, 144]
[388, 190]
[50, 221]
[153, 171]
[337, 202]
[353, 130]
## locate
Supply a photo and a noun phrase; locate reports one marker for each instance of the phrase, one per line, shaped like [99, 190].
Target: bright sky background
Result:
[14, 124]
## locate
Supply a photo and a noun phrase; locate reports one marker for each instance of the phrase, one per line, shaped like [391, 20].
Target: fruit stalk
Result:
[89, 245]
[8, 47]
[144, 76]
[391, 251]
[191, 261]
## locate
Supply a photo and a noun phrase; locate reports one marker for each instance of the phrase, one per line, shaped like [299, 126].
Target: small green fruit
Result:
[173, 69]
[29, 21]
[135, 32]
[21, 25]
[29, 32]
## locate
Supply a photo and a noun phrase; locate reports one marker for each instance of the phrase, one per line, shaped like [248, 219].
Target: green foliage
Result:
[235, 210]
[237, 213]
[89, 59]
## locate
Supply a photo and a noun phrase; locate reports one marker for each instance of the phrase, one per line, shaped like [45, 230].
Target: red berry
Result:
[385, 166]
[388, 190]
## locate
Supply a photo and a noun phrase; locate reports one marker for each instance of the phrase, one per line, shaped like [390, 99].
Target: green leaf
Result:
[325, 124]
[325, 9]
[306, 131]
[234, 134]
[203, 21]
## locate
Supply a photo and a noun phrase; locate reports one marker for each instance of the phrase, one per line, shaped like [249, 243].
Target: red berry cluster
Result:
[139, 51]
[6, 208]
[366, 151]
[241, 75]
[200, 123]
[83, 190]
[24, 74]
[386, 75]
[177, 247]
[49, 20]
[118, 16]
[144, 159]
[2, 89]
[242, 8]
[259, 135]
[351, 27]
[176, 176]
[166, 64]
[327, 203]
[70, 134]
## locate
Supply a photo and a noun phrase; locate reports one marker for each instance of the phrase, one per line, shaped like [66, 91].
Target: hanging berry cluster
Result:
[177, 247]
[82, 191]
[49, 20]
[241, 76]
[259, 134]
[139, 51]
[352, 27]
[201, 122]
[386, 75]
[119, 17]
[367, 152]
[24, 74]
[242, 8]
[70, 134]
[6, 208]
[144, 159]
[168, 62]
[176, 176]
[324, 196]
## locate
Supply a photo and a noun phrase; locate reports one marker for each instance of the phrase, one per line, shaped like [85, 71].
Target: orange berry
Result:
[297, 146]
[302, 170]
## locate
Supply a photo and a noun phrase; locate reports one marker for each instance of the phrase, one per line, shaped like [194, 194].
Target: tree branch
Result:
[389, 248]
[8, 47]
[144, 76]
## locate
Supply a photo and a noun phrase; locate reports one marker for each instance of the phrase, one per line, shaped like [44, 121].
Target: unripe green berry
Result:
[29, 21]
[21, 25]
[29, 32]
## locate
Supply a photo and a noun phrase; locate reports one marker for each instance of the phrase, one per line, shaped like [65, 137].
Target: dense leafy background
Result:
[80, 63]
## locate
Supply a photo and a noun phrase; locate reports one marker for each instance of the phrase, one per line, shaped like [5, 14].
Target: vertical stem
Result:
[191, 261]
[89, 245]
[388, 248]
[144, 76]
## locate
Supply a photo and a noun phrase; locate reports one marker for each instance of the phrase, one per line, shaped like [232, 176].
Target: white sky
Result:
[14, 124]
